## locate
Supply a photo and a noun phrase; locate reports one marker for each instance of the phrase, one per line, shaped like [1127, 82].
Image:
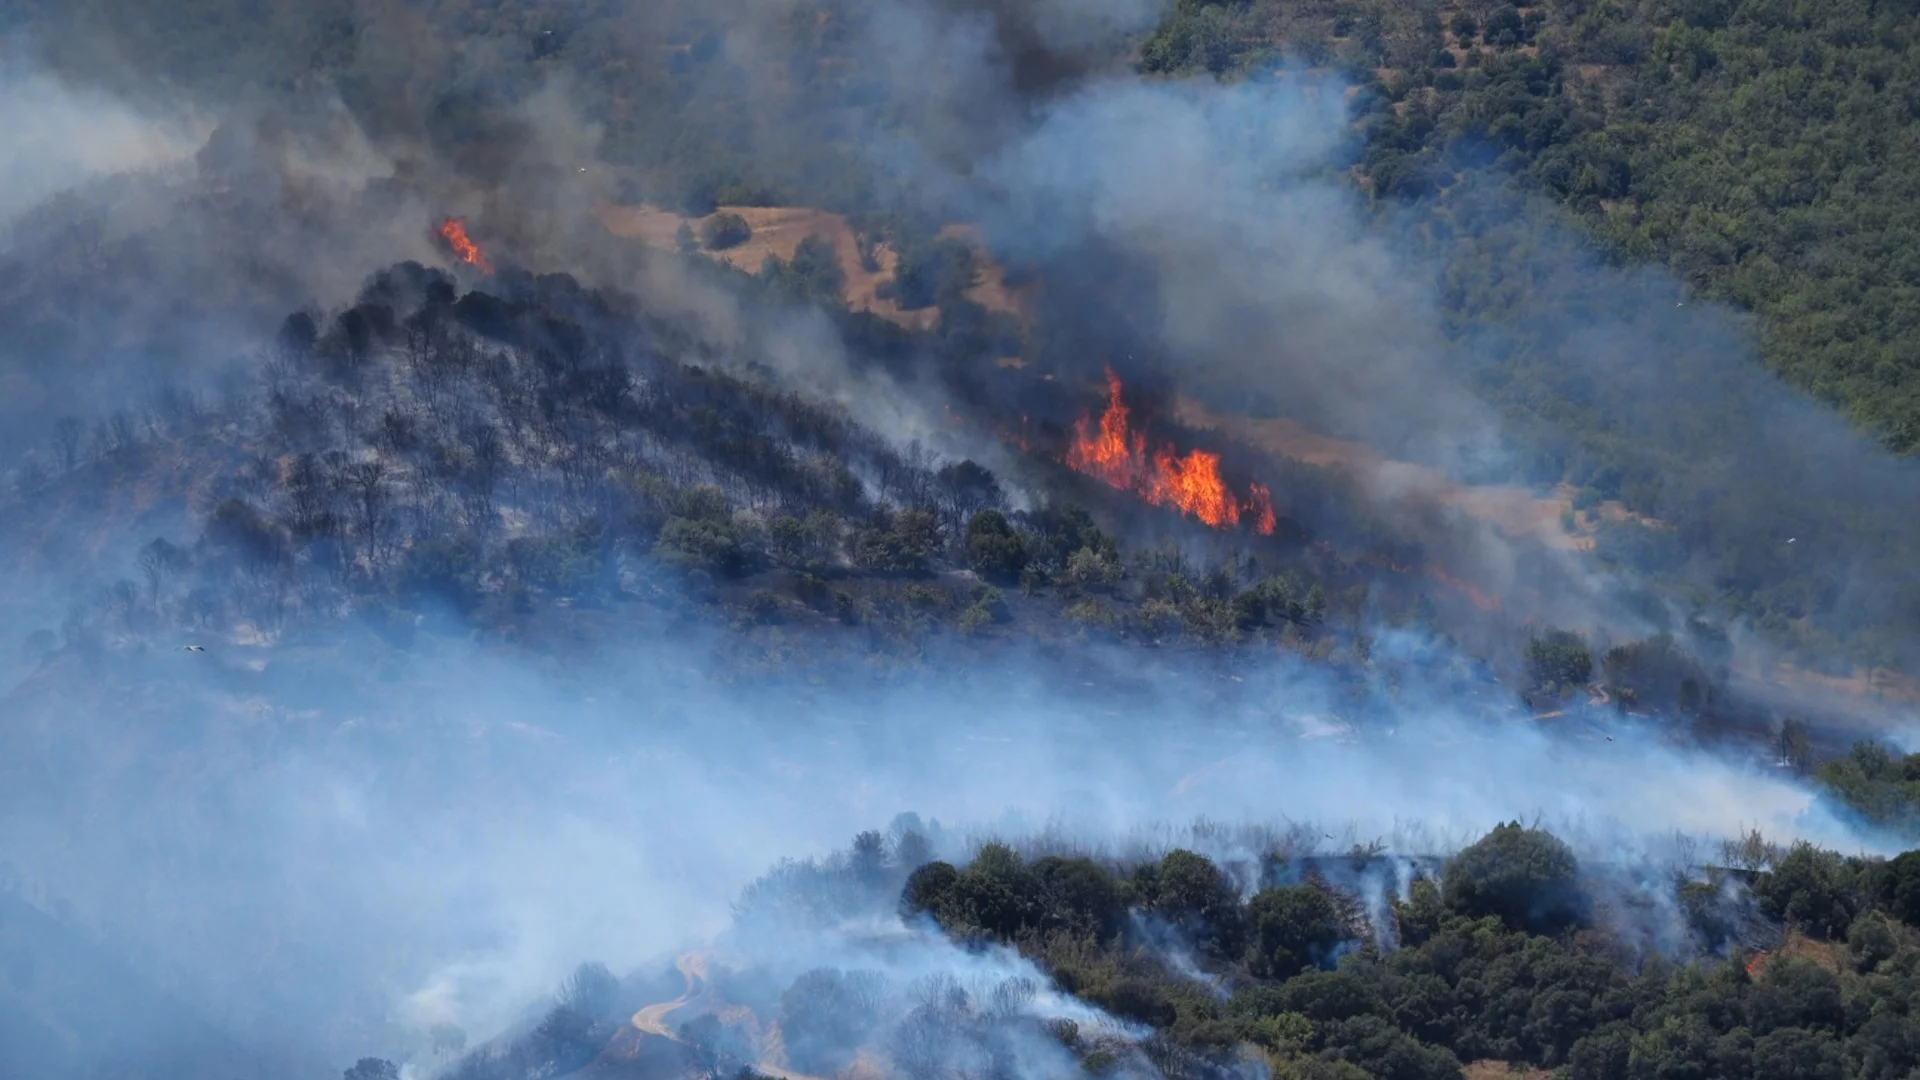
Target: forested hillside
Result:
[1513, 957]
[1763, 151]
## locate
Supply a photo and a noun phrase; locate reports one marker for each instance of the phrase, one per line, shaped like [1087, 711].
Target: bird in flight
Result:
[193, 648]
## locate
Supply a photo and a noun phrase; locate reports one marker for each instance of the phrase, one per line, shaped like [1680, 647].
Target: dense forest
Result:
[1757, 149]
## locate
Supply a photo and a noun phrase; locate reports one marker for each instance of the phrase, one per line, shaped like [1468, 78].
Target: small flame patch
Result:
[1117, 456]
[454, 231]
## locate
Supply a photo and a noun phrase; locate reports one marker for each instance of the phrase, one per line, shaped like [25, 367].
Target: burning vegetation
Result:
[1117, 455]
[454, 231]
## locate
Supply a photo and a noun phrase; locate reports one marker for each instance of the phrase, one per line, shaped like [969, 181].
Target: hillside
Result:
[1481, 968]
[1764, 155]
[1517, 359]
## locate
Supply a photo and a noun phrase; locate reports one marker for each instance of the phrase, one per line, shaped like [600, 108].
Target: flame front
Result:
[454, 232]
[1117, 456]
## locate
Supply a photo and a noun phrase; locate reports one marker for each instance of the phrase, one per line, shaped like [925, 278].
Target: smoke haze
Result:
[324, 847]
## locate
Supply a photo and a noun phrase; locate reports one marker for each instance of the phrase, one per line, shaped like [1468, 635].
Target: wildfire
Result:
[1260, 502]
[1117, 455]
[1433, 571]
[454, 232]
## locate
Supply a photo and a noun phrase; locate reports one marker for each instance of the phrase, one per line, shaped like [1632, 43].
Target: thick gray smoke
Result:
[399, 840]
[59, 136]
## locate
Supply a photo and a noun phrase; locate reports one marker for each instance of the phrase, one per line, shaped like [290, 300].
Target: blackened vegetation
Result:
[487, 457]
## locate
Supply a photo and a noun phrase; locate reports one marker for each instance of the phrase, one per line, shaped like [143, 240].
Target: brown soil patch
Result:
[650, 1029]
[1831, 955]
[778, 231]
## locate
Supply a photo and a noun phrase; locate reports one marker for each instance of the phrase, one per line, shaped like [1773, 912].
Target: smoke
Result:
[60, 136]
[468, 828]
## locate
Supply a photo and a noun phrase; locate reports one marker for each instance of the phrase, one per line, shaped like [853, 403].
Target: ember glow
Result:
[454, 232]
[1432, 571]
[1117, 455]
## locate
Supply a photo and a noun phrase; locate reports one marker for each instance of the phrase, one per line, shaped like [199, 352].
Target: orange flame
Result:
[1261, 501]
[1479, 599]
[1117, 456]
[454, 232]
[1433, 571]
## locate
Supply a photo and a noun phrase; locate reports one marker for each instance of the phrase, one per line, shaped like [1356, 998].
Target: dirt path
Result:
[652, 1020]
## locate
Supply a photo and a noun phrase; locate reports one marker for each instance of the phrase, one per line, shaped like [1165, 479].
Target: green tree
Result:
[1294, 928]
[1558, 659]
[1193, 894]
[1814, 889]
[994, 550]
[1527, 878]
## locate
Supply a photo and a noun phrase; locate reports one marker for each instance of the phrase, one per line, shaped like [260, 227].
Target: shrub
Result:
[724, 231]
[994, 550]
[1294, 928]
[1558, 659]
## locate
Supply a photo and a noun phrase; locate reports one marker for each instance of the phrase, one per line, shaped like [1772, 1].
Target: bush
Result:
[712, 544]
[1558, 659]
[901, 543]
[1080, 896]
[724, 231]
[994, 550]
[975, 620]
[826, 1014]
